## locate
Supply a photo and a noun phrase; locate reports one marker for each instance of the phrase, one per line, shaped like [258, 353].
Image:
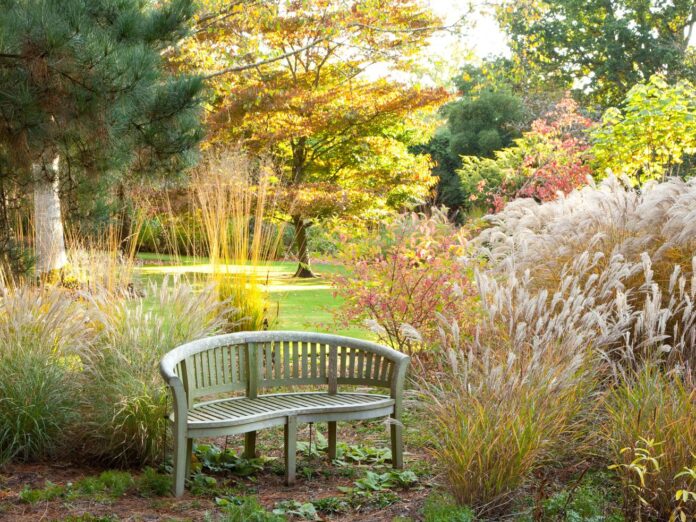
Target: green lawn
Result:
[296, 304]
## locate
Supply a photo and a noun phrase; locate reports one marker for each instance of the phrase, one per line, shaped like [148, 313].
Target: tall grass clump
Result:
[235, 200]
[652, 415]
[100, 262]
[42, 334]
[513, 399]
[125, 400]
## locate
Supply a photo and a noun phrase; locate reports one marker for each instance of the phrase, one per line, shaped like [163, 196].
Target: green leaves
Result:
[216, 460]
[652, 134]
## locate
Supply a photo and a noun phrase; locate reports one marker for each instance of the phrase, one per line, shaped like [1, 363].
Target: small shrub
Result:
[401, 279]
[549, 159]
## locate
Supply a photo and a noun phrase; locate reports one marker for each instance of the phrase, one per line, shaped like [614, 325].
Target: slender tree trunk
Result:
[304, 268]
[49, 239]
[299, 158]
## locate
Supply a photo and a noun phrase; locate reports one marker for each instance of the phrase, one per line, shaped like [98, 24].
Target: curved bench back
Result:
[253, 361]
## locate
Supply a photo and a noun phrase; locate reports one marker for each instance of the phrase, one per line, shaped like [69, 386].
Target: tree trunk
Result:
[49, 238]
[299, 158]
[304, 268]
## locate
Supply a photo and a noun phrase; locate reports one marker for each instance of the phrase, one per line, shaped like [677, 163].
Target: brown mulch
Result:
[267, 486]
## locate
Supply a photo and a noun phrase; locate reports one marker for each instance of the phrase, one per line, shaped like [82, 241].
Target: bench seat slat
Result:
[243, 410]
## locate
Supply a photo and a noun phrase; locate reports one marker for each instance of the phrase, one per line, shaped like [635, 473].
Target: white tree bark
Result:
[49, 240]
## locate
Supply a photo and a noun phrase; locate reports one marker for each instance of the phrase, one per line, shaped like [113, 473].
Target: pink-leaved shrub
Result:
[401, 280]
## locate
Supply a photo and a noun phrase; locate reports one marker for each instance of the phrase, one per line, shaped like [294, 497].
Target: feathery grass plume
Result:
[125, 400]
[515, 398]
[235, 201]
[634, 251]
[42, 333]
[653, 406]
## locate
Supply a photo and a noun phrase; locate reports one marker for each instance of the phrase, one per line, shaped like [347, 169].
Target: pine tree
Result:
[82, 83]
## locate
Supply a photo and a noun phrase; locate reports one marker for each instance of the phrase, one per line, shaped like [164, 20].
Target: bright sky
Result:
[481, 34]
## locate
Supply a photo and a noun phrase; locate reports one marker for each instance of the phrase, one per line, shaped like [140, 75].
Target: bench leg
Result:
[182, 463]
[290, 450]
[397, 445]
[250, 445]
[189, 456]
[332, 441]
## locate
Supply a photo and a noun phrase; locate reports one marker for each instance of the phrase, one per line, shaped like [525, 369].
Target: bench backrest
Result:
[251, 362]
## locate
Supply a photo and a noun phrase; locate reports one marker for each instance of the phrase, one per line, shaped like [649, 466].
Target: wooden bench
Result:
[249, 364]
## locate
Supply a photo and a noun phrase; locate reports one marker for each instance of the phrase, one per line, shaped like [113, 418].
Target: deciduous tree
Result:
[323, 96]
[602, 47]
[651, 135]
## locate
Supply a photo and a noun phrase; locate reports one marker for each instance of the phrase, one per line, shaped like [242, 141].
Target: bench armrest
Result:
[178, 393]
[397, 384]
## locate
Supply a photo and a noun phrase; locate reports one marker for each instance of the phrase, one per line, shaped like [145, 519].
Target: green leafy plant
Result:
[442, 508]
[111, 482]
[293, 508]
[593, 499]
[331, 505]
[245, 509]
[203, 485]
[643, 480]
[361, 454]
[652, 468]
[212, 458]
[50, 491]
[372, 481]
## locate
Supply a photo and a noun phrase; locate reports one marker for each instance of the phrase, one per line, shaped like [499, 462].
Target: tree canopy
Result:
[599, 47]
[325, 99]
[651, 135]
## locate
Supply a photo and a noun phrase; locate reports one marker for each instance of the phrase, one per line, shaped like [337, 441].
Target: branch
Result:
[240, 68]
[414, 30]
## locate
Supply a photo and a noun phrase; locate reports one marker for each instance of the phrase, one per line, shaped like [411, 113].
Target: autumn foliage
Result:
[549, 159]
[403, 279]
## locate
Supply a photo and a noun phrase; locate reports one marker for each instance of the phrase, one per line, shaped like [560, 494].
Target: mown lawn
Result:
[295, 304]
